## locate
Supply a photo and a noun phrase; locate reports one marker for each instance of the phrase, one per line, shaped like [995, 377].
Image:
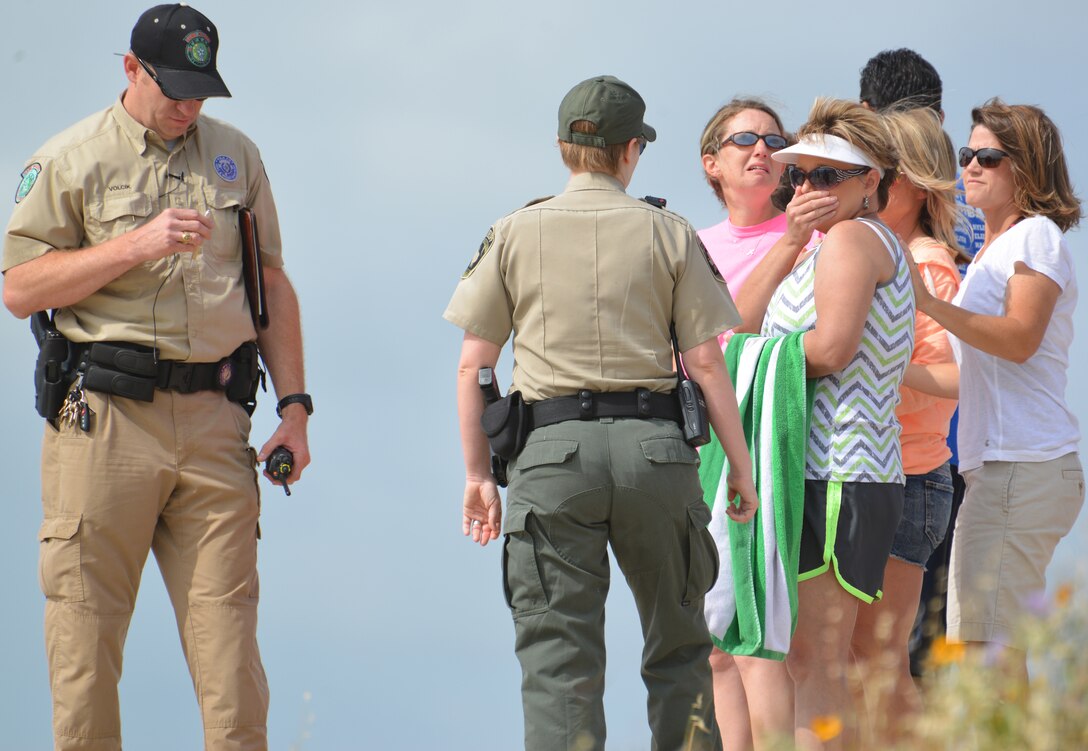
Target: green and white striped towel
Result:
[752, 608]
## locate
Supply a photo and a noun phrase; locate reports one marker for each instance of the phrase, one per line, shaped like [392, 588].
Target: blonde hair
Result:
[926, 159]
[1041, 184]
[579, 158]
[863, 128]
[714, 132]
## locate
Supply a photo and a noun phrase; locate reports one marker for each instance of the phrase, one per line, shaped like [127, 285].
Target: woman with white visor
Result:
[852, 295]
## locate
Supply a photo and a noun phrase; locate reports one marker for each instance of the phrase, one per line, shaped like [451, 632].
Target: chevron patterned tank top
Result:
[855, 435]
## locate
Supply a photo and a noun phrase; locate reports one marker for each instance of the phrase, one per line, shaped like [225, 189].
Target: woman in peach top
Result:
[921, 210]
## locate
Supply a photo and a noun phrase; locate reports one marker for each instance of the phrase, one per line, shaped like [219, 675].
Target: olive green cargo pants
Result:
[576, 487]
[175, 476]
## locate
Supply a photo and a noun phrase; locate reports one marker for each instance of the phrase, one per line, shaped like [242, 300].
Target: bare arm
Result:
[281, 347]
[941, 379]
[64, 277]
[803, 214]
[1030, 297]
[481, 502]
[852, 261]
[706, 367]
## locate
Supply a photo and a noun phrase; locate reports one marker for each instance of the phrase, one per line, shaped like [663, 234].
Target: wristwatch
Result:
[303, 399]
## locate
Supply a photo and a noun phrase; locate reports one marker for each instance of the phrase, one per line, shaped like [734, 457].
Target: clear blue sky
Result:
[394, 134]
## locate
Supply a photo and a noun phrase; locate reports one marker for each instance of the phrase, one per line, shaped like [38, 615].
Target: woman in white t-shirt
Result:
[1012, 326]
[753, 697]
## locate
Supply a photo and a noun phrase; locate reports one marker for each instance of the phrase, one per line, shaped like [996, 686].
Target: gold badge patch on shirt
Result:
[489, 240]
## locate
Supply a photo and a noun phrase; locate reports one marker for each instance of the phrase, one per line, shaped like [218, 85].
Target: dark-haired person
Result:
[1012, 323]
[126, 224]
[753, 696]
[589, 283]
[900, 77]
[851, 295]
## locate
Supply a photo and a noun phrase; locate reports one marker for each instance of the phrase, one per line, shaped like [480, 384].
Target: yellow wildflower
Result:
[944, 652]
[827, 727]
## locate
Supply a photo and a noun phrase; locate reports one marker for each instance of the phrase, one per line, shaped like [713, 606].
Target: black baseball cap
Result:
[181, 44]
[610, 104]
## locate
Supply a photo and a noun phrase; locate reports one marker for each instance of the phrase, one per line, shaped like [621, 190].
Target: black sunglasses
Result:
[988, 158]
[747, 138]
[641, 144]
[822, 178]
[157, 80]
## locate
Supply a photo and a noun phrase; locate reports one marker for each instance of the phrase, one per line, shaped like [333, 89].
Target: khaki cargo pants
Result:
[575, 488]
[175, 476]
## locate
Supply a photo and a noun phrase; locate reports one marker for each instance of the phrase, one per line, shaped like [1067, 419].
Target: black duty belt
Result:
[187, 377]
[589, 405]
[134, 371]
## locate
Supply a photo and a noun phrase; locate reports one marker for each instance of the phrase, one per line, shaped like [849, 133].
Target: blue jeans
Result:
[927, 507]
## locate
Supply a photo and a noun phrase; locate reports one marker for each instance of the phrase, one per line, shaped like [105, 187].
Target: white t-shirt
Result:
[1011, 412]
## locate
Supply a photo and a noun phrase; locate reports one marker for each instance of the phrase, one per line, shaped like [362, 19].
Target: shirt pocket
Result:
[114, 216]
[224, 252]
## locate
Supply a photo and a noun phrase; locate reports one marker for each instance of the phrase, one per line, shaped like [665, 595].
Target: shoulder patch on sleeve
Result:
[27, 179]
[488, 241]
[710, 261]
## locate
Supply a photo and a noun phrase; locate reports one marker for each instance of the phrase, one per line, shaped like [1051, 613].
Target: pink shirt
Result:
[736, 251]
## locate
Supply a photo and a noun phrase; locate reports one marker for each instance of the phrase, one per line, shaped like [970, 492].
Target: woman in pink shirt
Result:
[922, 211]
[753, 696]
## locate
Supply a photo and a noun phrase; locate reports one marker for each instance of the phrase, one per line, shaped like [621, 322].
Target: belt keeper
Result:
[643, 402]
[585, 404]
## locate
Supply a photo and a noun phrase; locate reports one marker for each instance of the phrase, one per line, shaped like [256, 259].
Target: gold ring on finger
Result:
[186, 238]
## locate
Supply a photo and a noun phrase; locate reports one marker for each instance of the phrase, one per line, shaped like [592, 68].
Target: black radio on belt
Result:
[693, 414]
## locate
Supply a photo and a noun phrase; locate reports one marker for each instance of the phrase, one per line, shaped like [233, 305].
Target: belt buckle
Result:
[585, 405]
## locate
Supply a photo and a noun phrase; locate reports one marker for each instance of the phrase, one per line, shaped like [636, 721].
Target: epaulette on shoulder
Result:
[535, 201]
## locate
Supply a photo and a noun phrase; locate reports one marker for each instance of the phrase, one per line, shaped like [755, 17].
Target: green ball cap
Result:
[610, 104]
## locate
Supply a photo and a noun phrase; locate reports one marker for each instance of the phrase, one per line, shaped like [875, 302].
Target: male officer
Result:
[590, 282]
[126, 224]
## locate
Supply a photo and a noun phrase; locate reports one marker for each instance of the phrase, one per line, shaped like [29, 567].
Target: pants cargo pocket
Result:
[59, 571]
[702, 555]
[521, 579]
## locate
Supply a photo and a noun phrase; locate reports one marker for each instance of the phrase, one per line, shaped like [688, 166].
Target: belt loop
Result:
[643, 402]
[585, 404]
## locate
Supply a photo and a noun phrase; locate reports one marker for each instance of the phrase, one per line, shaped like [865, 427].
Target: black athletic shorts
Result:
[849, 527]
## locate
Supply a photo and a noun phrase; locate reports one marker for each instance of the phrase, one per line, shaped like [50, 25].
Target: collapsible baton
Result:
[692, 404]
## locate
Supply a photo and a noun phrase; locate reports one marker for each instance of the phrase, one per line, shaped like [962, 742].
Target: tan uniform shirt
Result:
[107, 175]
[588, 282]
